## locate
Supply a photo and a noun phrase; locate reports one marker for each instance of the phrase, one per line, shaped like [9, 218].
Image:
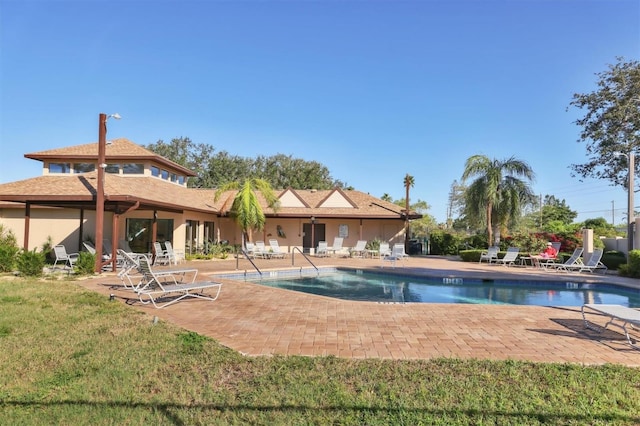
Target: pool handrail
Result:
[246, 255]
[293, 250]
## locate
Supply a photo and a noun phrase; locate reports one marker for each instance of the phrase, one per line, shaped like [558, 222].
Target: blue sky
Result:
[371, 89]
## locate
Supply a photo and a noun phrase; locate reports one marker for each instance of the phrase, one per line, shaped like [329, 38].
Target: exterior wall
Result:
[62, 225]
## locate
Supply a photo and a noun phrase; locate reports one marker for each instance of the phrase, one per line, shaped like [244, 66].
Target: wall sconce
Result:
[313, 219]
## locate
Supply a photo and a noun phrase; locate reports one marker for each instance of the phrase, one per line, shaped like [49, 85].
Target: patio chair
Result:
[107, 249]
[261, 251]
[573, 260]
[337, 248]
[276, 252]
[161, 255]
[591, 265]
[622, 314]
[384, 250]
[321, 251]
[397, 253]
[159, 285]
[249, 249]
[124, 245]
[129, 272]
[171, 253]
[489, 255]
[89, 247]
[509, 258]
[360, 249]
[67, 259]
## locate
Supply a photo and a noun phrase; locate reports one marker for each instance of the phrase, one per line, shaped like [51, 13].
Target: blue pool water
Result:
[369, 286]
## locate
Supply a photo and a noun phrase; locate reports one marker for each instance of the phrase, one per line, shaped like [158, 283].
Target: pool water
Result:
[384, 288]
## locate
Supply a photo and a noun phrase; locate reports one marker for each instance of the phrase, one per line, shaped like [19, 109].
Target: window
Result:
[139, 233]
[83, 167]
[191, 235]
[165, 175]
[181, 180]
[133, 169]
[59, 168]
[155, 171]
[113, 168]
[174, 177]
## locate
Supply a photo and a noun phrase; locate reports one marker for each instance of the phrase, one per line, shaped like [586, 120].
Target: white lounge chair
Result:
[276, 252]
[489, 255]
[67, 259]
[106, 257]
[161, 284]
[161, 256]
[591, 265]
[261, 251]
[384, 250]
[397, 253]
[321, 251]
[571, 261]
[173, 256]
[337, 248]
[509, 258]
[619, 313]
[249, 249]
[360, 249]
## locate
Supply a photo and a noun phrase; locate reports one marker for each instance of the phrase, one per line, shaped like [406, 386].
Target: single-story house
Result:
[146, 199]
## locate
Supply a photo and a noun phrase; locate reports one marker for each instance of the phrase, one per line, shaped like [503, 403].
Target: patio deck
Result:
[259, 320]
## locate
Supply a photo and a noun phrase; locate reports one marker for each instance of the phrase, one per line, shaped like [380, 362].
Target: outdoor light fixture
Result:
[102, 165]
[630, 211]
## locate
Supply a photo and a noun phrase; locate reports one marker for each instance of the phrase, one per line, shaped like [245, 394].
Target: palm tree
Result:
[408, 183]
[497, 195]
[246, 209]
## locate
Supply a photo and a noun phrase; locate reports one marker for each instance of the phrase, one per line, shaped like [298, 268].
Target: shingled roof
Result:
[116, 150]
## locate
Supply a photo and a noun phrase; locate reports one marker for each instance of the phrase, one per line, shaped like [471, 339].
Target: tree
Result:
[409, 181]
[246, 208]
[284, 171]
[611, 124]
[497, 195]
[188, 154]
[386, 197]
[455, 203]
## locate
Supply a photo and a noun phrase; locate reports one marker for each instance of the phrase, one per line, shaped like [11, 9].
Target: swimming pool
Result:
[387, 288]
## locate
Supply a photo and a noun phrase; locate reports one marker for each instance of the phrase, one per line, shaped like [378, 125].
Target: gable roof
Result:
[120, 149]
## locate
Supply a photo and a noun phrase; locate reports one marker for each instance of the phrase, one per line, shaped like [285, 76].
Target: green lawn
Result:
[70, 356]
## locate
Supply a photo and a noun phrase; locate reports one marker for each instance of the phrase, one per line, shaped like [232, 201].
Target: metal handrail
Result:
[303, 255]
[246, 255]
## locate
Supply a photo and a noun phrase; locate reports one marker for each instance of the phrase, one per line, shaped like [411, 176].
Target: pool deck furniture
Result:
[619, 316]
[509, 258]
[161, 284]
[490, 254]
[67, 259]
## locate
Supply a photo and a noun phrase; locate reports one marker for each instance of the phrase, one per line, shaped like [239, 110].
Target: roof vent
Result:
[314, 190]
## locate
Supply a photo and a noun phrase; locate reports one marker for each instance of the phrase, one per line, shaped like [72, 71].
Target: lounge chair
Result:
[622, 314]
[276, 252]
[489, 255]
[261, 251]
[249, 249]
[107, 249]
[161, 256]
[321, 250]
[67, 259]
[397, 253]
[106, 257]
[360, 249]
[571, 261]
[337, 248]
[171, 253]
[161, 284]
[509, 258]
[591, 265]
[130, 265]
[384, 250]
[124, 245]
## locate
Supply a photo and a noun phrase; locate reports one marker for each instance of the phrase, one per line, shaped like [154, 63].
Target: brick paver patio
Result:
[259, 320]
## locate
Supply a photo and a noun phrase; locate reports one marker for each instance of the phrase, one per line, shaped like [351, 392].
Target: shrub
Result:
[31, 263]
[47, 250]
[632, 267]
[444, 243]
[613, 259]
[8, 249]
[85, 264]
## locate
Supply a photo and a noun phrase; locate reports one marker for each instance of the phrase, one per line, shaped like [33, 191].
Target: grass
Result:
[70, 356]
